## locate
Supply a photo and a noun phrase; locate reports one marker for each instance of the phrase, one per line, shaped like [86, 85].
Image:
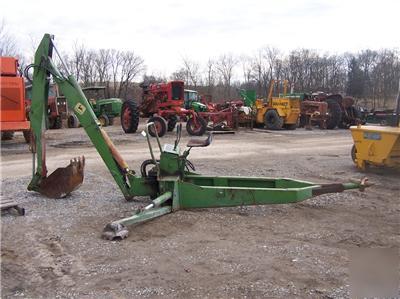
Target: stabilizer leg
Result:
[118, 229]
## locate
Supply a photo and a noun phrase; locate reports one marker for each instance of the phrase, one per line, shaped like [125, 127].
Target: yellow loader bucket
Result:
[376, 145]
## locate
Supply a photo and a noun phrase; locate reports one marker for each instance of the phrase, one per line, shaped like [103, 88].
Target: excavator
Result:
[170, 180]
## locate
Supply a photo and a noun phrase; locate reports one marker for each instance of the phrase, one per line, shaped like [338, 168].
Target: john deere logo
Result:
[79, 108]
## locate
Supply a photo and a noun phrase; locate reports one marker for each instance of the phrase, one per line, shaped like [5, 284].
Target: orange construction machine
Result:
[13, 114]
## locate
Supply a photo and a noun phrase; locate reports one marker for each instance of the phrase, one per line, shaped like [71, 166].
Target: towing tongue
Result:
[63, 180]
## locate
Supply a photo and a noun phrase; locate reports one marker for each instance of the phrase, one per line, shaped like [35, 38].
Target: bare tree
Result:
[193, 71]
[8, 45]
[102, 65]
[181, 74]
[210, 75]
[131, 66]
[225, 66]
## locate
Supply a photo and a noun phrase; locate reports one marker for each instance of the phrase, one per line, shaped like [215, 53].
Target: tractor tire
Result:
[290, 126]
[104, 121]
[7, 135]
[191, 127]
[160, 124]
[171, 123]
[56, 123]
[273, 121]
[335, 114]
[353, 153]
[129, 116]
[27, 136]
[73, 121]
[302, 121]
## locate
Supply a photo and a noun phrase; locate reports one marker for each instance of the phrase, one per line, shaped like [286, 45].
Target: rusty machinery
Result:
[328, 111]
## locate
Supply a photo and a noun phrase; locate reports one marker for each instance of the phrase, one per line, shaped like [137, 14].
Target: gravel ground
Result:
[280, 251]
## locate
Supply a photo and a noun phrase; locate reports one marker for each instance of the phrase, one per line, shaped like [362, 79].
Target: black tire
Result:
[172, 123]
[272, 120]
[129, 116]
[73, 121]
[111, 120]
[160, 124]
[353, 153]
[303, 121]
[343, 125]
[104, 121]
[290, 126]
[7, 135]
[27, 136]
[335, 114]
[192, 130]
[56, 123]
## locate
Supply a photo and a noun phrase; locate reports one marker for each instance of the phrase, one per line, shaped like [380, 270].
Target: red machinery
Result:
[162, 103]
[13, 114]
[222, 117]
[57, 107]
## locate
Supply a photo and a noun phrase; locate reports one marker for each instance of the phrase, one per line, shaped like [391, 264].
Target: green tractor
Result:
[104, 109]
[192, 101]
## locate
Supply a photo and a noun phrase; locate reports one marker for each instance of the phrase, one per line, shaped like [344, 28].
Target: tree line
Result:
[371, 76]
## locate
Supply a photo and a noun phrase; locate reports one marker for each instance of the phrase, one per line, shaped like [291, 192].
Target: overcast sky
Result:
[163, 31]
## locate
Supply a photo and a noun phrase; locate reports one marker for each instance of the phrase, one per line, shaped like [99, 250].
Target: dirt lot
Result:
[298, 250]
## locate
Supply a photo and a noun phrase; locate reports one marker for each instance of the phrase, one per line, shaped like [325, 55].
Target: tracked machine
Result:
[168, 179]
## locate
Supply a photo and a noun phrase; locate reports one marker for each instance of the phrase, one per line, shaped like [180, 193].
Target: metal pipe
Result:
[144, 216]
[59, 57]
[397, 119]
[149, 143]
[159, 200]
[33, 163]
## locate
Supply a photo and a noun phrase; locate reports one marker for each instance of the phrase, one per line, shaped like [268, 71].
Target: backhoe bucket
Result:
[63, 180]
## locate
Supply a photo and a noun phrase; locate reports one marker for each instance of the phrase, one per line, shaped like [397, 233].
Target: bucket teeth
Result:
[64, 180]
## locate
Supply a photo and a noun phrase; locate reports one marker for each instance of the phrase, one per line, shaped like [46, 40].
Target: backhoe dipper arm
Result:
[77, 102]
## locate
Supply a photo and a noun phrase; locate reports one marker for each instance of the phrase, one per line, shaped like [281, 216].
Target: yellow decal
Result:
[80, 108]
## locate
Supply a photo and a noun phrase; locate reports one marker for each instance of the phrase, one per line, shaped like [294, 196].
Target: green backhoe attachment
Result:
[170, 179]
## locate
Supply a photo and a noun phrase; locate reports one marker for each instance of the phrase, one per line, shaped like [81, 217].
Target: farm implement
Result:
[218, 118]
[169, 179]
[377, 145]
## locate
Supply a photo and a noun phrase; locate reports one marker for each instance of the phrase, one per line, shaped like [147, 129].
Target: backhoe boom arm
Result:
[77, 102]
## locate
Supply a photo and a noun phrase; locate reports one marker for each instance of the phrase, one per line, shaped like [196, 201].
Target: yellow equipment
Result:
[280, 112]
[377, 145]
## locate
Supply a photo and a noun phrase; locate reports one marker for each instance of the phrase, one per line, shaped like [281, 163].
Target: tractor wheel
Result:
[353, 153]
[273, 121]
[7, 135]
[290, 126]
[335, 114]
[129, 116]
[73, 121]
[172, 123]
[302, 121]
[56, 123]
[196, 130]
[160, 125]
[27, 136]
[104, 121]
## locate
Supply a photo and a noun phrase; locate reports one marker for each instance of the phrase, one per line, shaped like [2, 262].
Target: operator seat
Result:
[199, 142]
